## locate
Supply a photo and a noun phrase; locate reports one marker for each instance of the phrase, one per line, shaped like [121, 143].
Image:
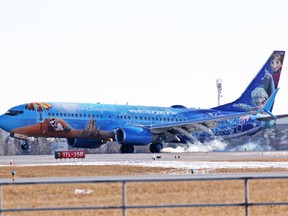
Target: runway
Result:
[135, 158]
[195, 160]
[174, 160]
[200, 162]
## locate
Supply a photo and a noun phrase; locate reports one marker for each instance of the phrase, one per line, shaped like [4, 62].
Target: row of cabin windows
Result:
[145, 118]
[75, 115]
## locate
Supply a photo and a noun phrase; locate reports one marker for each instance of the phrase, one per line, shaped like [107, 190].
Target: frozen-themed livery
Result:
[91, 125]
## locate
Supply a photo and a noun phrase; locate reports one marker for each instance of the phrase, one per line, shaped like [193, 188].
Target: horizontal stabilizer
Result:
[268, 118]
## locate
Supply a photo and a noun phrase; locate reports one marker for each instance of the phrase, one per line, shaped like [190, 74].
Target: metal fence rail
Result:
[246, 204]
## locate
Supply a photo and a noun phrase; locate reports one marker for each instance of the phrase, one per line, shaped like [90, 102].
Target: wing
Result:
[203, 124]
[208, 122]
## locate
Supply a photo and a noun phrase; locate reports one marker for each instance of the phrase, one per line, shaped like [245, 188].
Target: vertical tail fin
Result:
[261, 87]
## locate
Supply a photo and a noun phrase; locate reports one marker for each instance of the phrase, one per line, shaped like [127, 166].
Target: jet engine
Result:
[133, 135]
[85, 143]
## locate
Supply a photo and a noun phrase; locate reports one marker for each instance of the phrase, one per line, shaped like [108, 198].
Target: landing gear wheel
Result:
[156, 147]
[25, 146]
[127, 149]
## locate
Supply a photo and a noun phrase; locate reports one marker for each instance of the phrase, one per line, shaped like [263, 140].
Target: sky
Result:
[152, 52]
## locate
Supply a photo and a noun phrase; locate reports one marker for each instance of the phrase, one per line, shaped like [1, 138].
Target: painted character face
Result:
[53, 122]
[259, 102]
[56, 125]
[275, 64]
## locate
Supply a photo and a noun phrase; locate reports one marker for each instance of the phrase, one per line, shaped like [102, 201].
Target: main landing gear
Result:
[154, 148]
[127, 149]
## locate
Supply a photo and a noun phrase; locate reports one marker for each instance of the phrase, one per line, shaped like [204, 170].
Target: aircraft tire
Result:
[156, 147]
[127, 149]
[25, 146]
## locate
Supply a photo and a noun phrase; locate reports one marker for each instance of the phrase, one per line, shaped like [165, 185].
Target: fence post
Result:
[124, 198]
[1, 200]
[246, 197]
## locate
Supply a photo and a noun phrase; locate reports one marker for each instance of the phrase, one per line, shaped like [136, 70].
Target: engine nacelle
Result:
[133, 135]
[85, 143]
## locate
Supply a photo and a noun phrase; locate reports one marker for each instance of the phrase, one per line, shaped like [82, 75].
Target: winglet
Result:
[269, 104]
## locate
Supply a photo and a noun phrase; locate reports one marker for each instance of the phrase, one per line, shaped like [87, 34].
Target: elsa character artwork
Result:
[259, 97]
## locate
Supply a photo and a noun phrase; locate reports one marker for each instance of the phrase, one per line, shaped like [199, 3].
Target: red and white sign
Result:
[70, 154]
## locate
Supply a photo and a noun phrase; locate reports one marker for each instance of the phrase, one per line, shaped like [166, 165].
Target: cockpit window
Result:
[14, 112]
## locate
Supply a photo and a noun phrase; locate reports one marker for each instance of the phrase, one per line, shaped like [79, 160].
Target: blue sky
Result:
[138, 52]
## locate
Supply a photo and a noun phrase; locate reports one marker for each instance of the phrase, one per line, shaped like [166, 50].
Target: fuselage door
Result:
[240, 128]
[41, 116]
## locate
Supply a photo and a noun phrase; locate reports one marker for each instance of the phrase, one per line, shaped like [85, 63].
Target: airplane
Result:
[87, 125]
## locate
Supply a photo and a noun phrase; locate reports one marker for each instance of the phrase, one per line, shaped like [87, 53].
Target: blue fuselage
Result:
[111, 117]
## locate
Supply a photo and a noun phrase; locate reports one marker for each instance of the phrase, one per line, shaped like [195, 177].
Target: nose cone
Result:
[13, 118]
[4, 123]
[8, 122]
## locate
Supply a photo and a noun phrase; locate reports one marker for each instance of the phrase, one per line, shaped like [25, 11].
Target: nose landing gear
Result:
[25, 146]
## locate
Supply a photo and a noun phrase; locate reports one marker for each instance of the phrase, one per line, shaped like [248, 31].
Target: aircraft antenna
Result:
[219, 89]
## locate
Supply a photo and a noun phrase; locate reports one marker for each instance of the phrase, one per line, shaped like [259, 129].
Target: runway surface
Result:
[197, 161]
[178, 160]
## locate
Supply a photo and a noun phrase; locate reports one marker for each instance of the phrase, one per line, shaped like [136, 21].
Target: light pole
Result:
[219, 89]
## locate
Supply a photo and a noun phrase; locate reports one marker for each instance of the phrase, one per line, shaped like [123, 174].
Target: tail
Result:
[261, 87]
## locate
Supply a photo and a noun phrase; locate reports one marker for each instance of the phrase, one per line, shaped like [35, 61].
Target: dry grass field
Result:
[20, 196]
